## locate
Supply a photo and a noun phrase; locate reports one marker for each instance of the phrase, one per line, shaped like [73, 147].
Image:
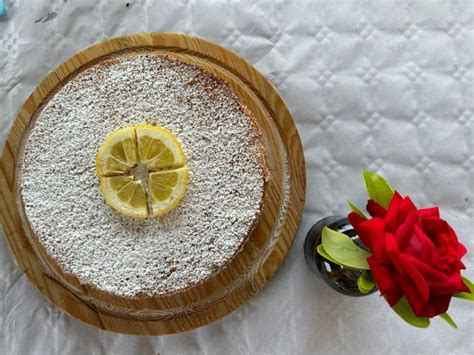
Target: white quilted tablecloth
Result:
[387, 87]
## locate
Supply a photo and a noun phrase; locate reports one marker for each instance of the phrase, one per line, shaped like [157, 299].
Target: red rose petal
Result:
[461, 251]
[405, 230]
[454, 284]
[393, 296]
[371, 232]
[417, 278]
[438, 304]
[460, 248]
[355, 219]
[375, 209]
[421, 247]
[382, 275]
[392, 211]
[398, 211]
[434, 226]
[391, 245]
[406, 207]
[427, 270]
[393, 253]
[428, 212]
[438, 282]
[412, 294]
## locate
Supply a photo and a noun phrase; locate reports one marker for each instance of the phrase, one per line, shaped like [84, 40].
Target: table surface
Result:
[387, 88]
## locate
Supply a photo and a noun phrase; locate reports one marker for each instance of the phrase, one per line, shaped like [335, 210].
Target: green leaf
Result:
[447, 318]
[324, 254]
[468, 283]
[366, 282]
[356, 209]
[378, 188]
[342, 249]
[404, 310]
[466, 295]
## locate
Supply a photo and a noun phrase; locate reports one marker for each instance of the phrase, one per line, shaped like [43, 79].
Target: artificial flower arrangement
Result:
[412, 255]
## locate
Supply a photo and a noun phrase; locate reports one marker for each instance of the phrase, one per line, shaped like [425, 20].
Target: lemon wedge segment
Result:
[118, 153]
[158, 148]
[125, 195]
[167, 188]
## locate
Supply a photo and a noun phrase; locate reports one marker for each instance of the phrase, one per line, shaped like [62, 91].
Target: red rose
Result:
[415, 254]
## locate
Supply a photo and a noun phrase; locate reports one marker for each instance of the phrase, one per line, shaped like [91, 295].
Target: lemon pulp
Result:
[167, 188]
[158, 148]
[118, 153]
[125, 195]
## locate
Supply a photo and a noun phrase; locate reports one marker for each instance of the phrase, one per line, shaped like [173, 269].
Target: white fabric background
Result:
[387, 87]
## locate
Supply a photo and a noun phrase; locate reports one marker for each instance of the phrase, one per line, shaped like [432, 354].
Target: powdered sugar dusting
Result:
[123, 255]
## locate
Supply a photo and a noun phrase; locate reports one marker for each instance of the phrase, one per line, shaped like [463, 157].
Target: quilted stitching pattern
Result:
[385, 87]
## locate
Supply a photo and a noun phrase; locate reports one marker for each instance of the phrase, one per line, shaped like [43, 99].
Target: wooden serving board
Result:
[261, 254]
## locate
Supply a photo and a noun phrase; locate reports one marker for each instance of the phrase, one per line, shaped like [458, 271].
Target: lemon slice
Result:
[155, 149]
[158, 148]
[167, 188]
[118, 153]
[125, 195]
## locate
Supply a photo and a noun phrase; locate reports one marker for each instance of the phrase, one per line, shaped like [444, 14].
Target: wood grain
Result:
[261, 254]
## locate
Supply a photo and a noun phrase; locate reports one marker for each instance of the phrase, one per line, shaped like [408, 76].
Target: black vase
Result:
[339, 278]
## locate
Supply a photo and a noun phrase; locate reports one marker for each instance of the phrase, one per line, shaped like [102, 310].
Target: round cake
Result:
[126, 256]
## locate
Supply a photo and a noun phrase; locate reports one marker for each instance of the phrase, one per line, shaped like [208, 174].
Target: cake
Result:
[131, 257]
